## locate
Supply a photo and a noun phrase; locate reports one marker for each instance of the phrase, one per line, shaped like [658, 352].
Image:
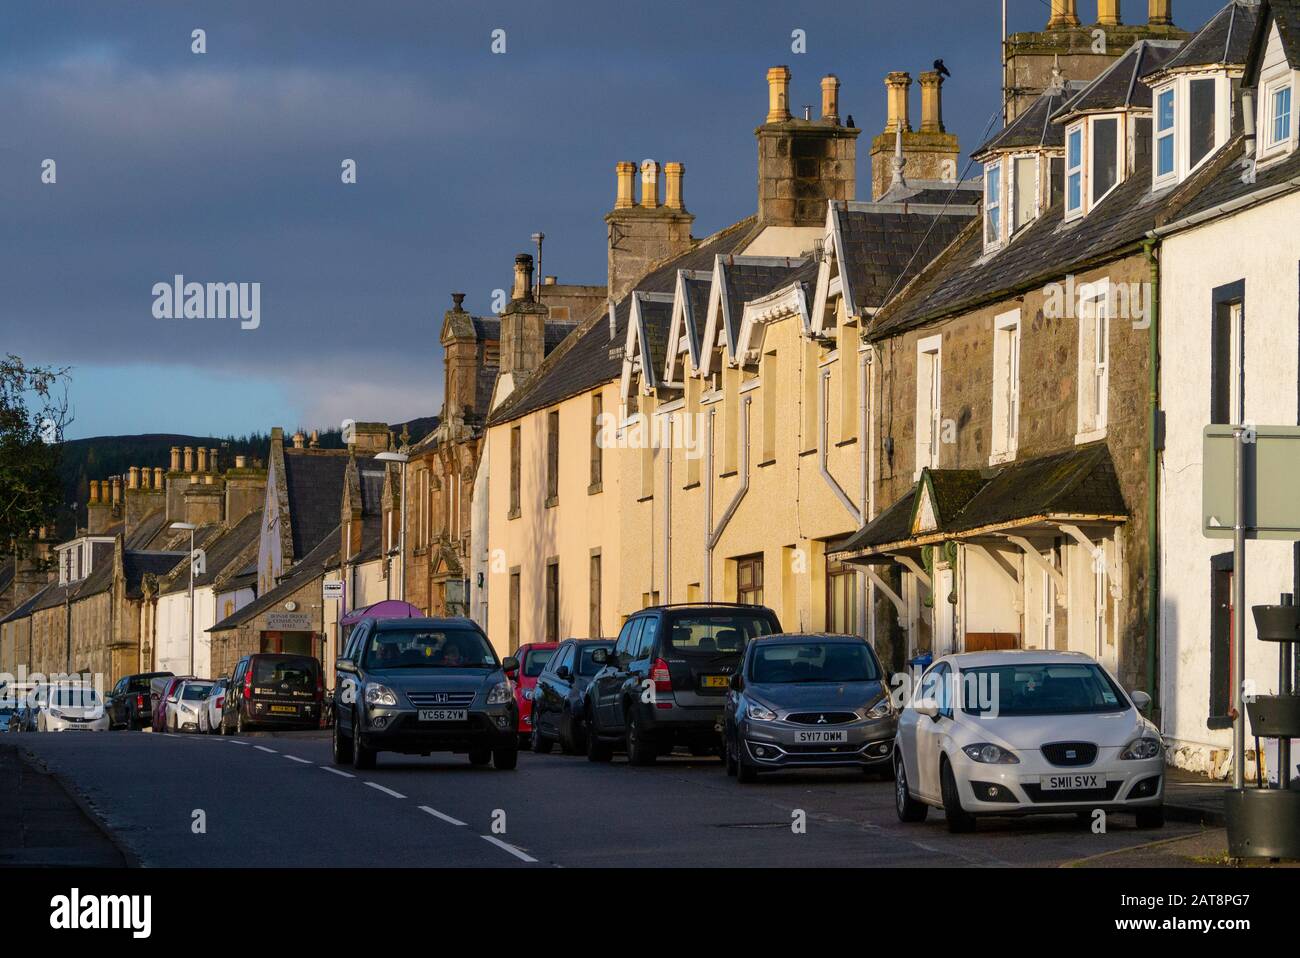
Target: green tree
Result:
[33, 415]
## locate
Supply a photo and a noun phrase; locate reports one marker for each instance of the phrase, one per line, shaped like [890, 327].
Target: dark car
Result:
[560, 696]
[419, 686]
[129, 704]
[273, 690]
[666, 679]
[809, 701]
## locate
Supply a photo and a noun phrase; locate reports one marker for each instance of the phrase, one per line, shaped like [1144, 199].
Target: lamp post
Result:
[403, 459]
[189, 527]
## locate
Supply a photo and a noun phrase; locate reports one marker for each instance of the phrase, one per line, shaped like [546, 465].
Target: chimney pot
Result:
[176, 459]
[1160, 13]
[158, 478]
[898, 86]
[241, 462]
[550, 280]
[116, 487]
[649, 184]
[1108, 13]
[212, 459]
[625, 170]
[299, 440]
[203, 458]
[457, 302]
[94, 490]
[314, 442]
[523, 288]
[673, 185]
[831, 98]
[1064, 15]
[778, 94]
[189, 458]
[931, 102]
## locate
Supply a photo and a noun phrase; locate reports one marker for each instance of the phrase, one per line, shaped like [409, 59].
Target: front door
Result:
[944, 639]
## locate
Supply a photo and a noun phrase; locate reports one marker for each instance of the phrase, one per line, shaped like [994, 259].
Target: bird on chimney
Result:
[940, 69]
[851, 124]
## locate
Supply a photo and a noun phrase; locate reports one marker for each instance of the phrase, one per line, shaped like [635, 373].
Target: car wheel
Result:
[1151, 817]
[597, 751]
[729, 756]
[959, 820]
[639, 750]
[746, 774]
[342, 747]
[505, 759]
[480, 756]
[908, 808]
[539, 743]
[566, 734]
[363, 759]
[578, 734]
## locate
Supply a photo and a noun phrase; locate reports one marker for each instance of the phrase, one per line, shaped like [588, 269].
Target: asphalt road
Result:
[279, 801]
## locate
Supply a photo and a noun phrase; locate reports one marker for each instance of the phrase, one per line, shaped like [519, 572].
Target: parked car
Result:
[420, 686]
[560, 696]
[532, 657]
[71, 708]
[666, 679]
[210, 711]
[20, 696]
[808, 701]
[273, 690]
[1026, 732]
[129, 703]
[186, 703]
[161, 691]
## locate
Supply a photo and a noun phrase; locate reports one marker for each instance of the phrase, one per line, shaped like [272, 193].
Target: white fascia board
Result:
[677, 327]
[781, 304]
[707, 350]
[824, 275]
[846, 289]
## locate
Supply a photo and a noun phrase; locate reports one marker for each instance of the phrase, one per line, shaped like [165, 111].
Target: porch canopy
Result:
[388, 609]
[1068, 493]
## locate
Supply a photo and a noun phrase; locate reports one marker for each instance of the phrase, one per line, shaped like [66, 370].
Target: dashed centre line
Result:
[437, 814]
[385, 790]
[263, 748]
[295, 758]
[337, 771]
[508, 847]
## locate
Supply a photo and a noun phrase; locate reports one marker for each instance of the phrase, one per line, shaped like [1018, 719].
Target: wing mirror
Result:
[510, 665]
[600, 656]
[563, 673]
[736, 682]
[1141, 700]
[345, 665]
[926, 707]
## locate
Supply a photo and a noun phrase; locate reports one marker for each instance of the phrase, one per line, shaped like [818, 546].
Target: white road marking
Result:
[508, 847]
[235, 741]
[295, 758]
[437, 814]
[386, 791]
[338, 771]
[263, 748]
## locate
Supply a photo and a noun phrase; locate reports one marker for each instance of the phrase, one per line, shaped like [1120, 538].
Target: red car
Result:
[533, 657]
[169, 687]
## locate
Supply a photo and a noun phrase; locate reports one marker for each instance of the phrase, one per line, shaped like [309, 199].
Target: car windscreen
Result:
[75, 697]
[1042, 689]
[195, 693]
[715, 633]
[789, 662]
[535, 661]
[423, 648]
[586, 667]
[298, 672]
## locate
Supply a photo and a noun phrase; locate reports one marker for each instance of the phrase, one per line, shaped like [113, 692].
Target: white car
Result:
[210, 712]
[67, 708]
[1025, 732]
[185, 705]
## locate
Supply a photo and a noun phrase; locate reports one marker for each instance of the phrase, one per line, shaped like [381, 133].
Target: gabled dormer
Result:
[1272, 72]
[645, 346]
[1108, 126]
[1024, 165]
[1192, 94]
[686, 332]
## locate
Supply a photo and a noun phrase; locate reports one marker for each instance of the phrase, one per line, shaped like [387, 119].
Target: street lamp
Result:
[189, 527]
[403, 459]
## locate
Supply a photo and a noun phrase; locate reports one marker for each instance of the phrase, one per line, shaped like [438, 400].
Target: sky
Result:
[226, 167]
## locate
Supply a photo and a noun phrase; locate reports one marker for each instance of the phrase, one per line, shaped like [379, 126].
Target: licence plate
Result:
[444, 715]
[714, 681]
[1079, 781]
[820, 737]
[290, 709]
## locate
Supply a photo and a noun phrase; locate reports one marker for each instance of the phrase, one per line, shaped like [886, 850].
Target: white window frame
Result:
[1076, 129]
[929, 356]
[1013, 190]
[1269, 146]
[1005, 419]
[1119, 155]
[1159, 179]
[1094, 361]
[993, 174]
[1048, 635]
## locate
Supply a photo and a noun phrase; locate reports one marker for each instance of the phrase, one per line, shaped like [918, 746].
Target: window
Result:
[1024, 171]
[993, 204]
[1094, 363]
[1006, 386]
[514, 611]
[593, 623]
[1221, 640]
[1104, 172]
[552, 632]
[1074, 170]
[1165, 133]
[552, 456]
[1099, 592]
[1225, 353]
[1201, 120]
[514, 470]
[597, 454]
[1049, 603]
[928, 382]
[1279, 116]
[749, 580]
[841, 597]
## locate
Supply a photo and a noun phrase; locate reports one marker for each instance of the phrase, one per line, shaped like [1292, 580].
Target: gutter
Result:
[1153, 475]
[713, 534]
[1224, 209]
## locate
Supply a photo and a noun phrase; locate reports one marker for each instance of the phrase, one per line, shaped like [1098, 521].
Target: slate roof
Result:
[319, 560]
[1117, 87]
[1225, 38]
[697, 308]
[746, 282]
[1286, 13]
[224, 547]
[1226, 184]
[656, 323]
[315, 486]
[28, 605]
[147, 530]
[7, 571]
[1034, 129]
[136, 565]
[590, 356]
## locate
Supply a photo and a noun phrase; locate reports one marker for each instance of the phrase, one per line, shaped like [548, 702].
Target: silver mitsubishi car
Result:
[808, 701]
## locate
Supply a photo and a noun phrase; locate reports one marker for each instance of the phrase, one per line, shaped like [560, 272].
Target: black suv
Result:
[129, 703]
[420, 686]
[273, 690]
[667, 678]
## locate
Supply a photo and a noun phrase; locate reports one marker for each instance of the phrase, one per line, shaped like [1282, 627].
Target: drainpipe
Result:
[823, 428]
[1153, 473]
[712, 534]
[668, 508]
[864, 491]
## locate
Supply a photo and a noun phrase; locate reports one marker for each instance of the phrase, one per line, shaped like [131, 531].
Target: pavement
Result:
[276, 800]
[1190, 797]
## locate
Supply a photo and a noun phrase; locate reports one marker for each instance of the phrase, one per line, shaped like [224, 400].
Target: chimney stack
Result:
[203, 459]
[1108, 13]
[672, 187]
[778, 94]
[176, 459]
[523, 288]
[1160, 13]
[189, 459]
[649, 185]
[831, 98]
[625, 170]
[158, 478]
[1064, 15]
[898, 85]
[931, 102]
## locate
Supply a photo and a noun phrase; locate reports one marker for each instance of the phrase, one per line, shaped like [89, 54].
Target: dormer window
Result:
[1191, 121]
[1104, 134]
[1093, 152]
[1165, 135]
[1278, 127]
[1074, 171]
[1024, 196]
[993, 204]
[1011, 191]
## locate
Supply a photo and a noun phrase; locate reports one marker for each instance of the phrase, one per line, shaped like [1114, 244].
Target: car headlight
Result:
[501, 693]
[55, 713]
[1142, 747]
[377, 694]
[987, 753]
[882, 709]
[759, 713]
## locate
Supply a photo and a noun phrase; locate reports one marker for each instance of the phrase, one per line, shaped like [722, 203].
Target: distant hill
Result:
[98, 457]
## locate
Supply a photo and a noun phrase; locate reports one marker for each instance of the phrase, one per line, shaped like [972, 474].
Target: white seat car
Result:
[66, 708]
[1025, 732]
[185, 705]
[210, 711]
